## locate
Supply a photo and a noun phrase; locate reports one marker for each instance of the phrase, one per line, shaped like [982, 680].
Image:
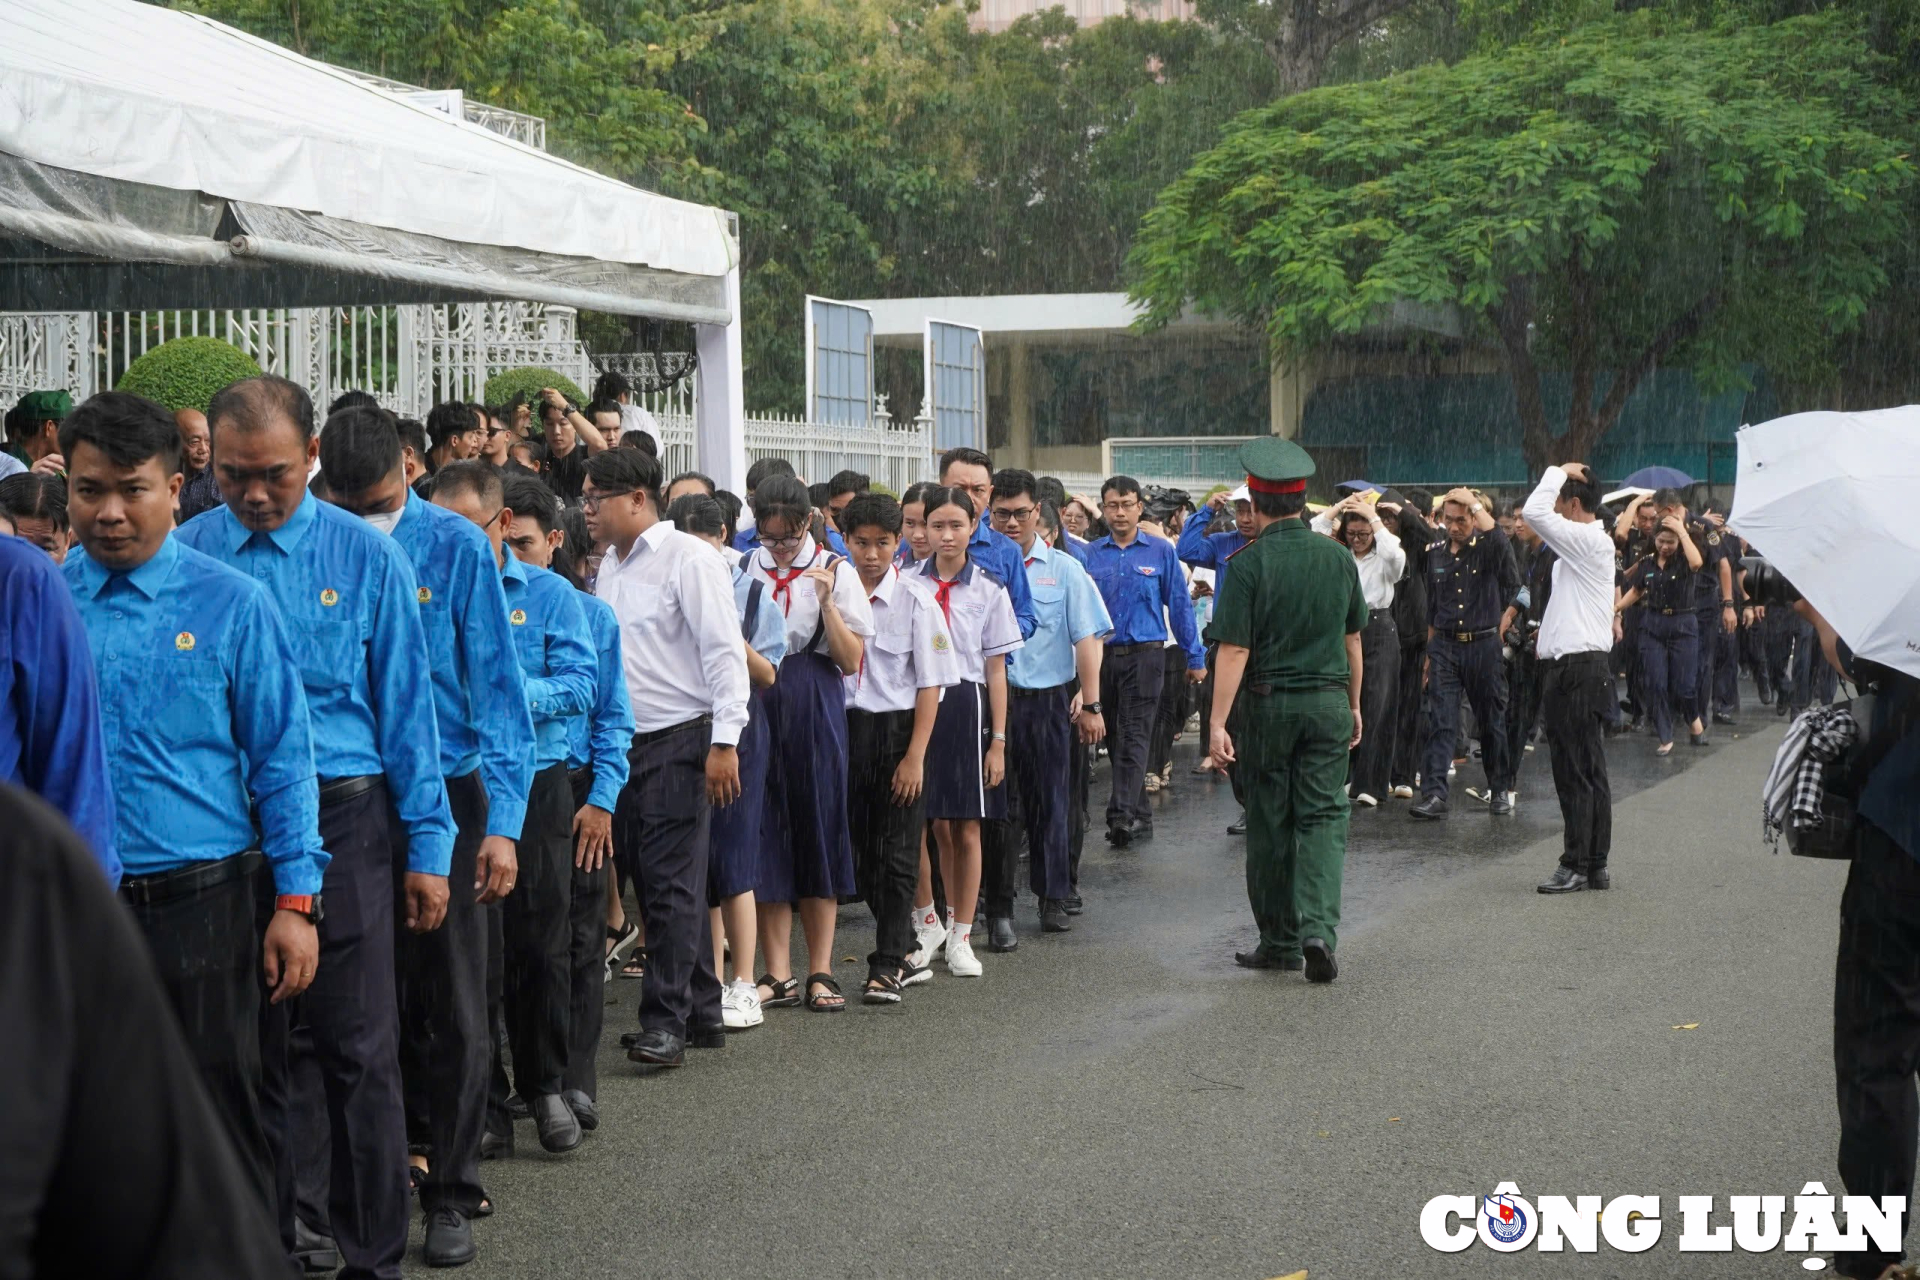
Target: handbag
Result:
[1832, 836]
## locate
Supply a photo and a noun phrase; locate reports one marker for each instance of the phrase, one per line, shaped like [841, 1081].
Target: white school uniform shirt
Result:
[1381, 568]
[979, 615]
[910, 649]
[794, 596]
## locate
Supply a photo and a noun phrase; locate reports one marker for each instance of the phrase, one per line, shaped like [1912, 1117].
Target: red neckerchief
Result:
[783, 583]
[942, 588]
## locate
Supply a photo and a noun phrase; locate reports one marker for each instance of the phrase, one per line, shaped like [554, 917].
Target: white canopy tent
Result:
[152, 158]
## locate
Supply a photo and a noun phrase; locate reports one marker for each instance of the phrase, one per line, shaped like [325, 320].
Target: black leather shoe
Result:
[1000, 934]
[1238, 827]
[711, 1036]
[1432, 809]
[494, 1147]
[1140, 829]
[1500, 804]
[1260, 958]
[1564, 880]
[1074, 905]
[1599, 878]
[517, 1107]
[559, 1128]
[658, 1049]
[1721, 717]
[1119, 836]
[1053, 917]
[449, 1238]
[583, 1108]
[316, 1254]
[1318, 958]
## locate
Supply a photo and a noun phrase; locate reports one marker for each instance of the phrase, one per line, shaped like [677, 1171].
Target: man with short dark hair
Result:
[1140, 580]
[456, 435]
[208, 726]
[843, 488]
[972, 471]
[413, 453]
[550, 639]
[689, 482]
[36, 504]
[349, 595]
[486, 748]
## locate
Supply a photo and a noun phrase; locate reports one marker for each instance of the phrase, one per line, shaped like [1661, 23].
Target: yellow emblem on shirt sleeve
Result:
[940, 644]
[329, 597]
[184, 642]
[518, 617]
[425, 595]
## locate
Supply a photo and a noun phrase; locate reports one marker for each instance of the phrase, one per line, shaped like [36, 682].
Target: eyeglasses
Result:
[1007, 514]
[592, 501]
[791, 540]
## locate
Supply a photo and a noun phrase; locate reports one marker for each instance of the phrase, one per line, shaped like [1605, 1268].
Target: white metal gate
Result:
[956, 391]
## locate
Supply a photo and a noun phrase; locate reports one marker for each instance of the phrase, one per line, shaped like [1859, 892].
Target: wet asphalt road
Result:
[1122, 1100]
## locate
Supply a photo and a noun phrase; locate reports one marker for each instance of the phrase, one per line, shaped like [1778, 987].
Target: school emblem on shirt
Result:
[518, 617]
[940, 644]
[1713, 539]
[1146, 570]
[329, 597]
[184, 642]
[425, 595]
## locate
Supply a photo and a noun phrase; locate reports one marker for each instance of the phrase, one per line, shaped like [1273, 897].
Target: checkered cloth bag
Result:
[1795, 797]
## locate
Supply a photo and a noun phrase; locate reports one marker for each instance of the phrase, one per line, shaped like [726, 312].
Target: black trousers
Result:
[586, 961]
[1080, 775]
[536, 968]
[1371, 762]
[1040, 744]
[1410, 698]
[1523, 707]
[203, 924]
[664, 816]
[886, 835]
[1573, 698]
[1473, 670]
[1876, 1028]
[331, 1095]
[445, 1048]
[1130, 680]
[1175, 707]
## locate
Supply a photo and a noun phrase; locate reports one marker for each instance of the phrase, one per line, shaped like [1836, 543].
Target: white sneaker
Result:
[1402, 793]
[740, 1005]
[1367, 800]
[961, 962]
[929, 935]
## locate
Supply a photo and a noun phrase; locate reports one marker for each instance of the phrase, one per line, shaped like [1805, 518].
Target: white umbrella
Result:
[1621, 495]
[1829, 499]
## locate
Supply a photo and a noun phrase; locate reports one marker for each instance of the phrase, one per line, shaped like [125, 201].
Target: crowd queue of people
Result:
[400, 740]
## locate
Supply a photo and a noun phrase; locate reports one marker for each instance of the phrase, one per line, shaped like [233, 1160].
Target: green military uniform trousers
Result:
[1292, 749]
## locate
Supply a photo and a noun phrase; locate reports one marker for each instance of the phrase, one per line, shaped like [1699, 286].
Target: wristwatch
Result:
[1094, 707]
[306, 904]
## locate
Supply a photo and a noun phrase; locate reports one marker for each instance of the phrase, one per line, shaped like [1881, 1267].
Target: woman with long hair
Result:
[1380, 560]
[1669, 630]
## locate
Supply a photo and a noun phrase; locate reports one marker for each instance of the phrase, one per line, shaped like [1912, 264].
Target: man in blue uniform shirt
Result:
[556, 657]
[50, 739]
[1471, 579]
[205, 719]
[971, 471]
[486, 751]
[348, 599]
[1202, 550]
[1140, 580]
[597, 746]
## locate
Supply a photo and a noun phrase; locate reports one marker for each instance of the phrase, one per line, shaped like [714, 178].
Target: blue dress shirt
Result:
[50, 737]
[1001, 556]
[1075, 547]
[348, 600]
[479, 697]
[556, 654]
[603, 737]
[203, 708]
[1205, 550]
[1069, 608]
[1143, 587]
[768, 635]
[1469, 591]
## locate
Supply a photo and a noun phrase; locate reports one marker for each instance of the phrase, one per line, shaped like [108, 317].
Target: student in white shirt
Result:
[807, 856]
[892, 702]
[968, 755]
[1382, 562]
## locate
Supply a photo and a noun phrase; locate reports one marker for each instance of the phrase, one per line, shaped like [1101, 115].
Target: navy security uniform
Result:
[1467, 592]
[1714, 547]
[1142, 586]
[350, 603]
[1668, 640]
[1410, 618]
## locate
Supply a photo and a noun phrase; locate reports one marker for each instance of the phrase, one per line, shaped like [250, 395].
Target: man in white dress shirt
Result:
[1575, 637]
[686, 670]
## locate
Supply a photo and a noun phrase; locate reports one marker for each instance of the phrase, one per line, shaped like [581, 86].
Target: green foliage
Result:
[186, 373]
[1633, 191]
[525, 383]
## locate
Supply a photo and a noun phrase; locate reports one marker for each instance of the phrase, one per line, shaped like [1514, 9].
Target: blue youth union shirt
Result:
[1069, 608]
[203, 709]
[1000, 555]
[50, 738]
[550, 639]
[1143, 587]
[348, 599]
[479, 696]
[603, 737]
[1205, 550]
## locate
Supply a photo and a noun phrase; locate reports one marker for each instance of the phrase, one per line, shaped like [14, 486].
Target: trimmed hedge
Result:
[186, 373]
[526, 382]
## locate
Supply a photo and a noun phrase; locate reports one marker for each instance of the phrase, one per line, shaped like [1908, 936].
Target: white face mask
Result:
[385, 520]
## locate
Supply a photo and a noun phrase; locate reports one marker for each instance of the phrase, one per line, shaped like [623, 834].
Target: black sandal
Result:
[636, 965]
[882, 988]
[823, 1002]
[786, 993]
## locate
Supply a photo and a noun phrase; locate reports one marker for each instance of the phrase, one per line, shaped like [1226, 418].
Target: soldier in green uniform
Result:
[1288, 622]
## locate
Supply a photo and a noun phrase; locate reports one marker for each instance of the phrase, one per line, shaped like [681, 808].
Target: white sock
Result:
[925, 917]
[955, 928]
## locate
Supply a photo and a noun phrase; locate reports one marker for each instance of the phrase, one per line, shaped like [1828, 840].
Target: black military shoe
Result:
[449, 1238]
[1319, 962]
[583, 1107]
[1239, 825]
[1053, 917]
[1599, 877]
[658, 1049]
[1000, 934]
[1564, 880]
[1120, 835]
[1432, 809]
[559, 1128]
[1261, 958]
[711, 1036]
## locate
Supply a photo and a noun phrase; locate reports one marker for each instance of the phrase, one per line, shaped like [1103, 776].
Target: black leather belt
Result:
[164, 886]
[1466, 637]
[1667, 613]
[654, 735]
[1585, 656]
[338, 790]
[1121, 650]
[1018, 692]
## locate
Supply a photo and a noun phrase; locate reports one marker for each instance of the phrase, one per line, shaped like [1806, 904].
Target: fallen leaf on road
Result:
[846, 959]
[1292, 1275]
[1393, 1119]
[1326, 1133]
[1686, 1026]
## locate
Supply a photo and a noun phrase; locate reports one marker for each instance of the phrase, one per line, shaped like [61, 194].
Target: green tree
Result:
[1629, 195]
